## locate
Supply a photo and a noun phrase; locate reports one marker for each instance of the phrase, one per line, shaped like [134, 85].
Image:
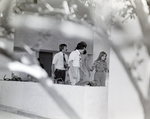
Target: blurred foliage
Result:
[124, 9]
[80, 12]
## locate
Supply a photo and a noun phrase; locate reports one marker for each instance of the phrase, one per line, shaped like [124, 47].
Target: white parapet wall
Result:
[88, 102]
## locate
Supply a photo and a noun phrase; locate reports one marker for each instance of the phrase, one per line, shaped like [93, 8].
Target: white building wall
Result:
[50, 40]
[123, 99]
[30, 97]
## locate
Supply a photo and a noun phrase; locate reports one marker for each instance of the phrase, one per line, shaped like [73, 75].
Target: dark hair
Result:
[81, 45]
[84, 52]
[100, 55]
[61, 46]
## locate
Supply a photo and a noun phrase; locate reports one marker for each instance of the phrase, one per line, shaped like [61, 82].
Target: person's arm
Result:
[53, 70]
[66, 68]
[53, 65]
[106, 68]
[72, 69]
[93, 66]
[81, 68]
[86, 62]
[66, 56]
[87, 66]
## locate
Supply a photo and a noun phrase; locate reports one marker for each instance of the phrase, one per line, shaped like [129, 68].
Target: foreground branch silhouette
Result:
[30, 64]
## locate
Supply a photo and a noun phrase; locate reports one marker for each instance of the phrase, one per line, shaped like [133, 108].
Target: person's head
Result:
[38, 59]
[81, 46]
[102, 56]
[63, 47]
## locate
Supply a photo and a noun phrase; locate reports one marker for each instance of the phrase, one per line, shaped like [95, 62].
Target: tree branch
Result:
[144, 23]
[104, 35]
[41, 75]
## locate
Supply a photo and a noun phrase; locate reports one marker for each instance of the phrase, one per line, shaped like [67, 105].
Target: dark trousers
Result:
[60, 74]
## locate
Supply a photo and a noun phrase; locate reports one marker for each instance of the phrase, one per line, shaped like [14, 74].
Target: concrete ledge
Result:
[88, 102]
[20, 112]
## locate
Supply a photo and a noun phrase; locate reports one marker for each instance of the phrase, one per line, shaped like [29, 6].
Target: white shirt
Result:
[58, 60]
[75, 57]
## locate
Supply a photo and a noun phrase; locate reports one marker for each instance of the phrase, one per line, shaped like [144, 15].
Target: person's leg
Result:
[102, 79]
[58, 74]
[102, 82]
[78, 74]
[63, 75]
[87, 76]
[81, 75]
[97, 78]
[72, 80]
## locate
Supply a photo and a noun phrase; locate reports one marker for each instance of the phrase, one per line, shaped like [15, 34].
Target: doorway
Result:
[46, 60]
